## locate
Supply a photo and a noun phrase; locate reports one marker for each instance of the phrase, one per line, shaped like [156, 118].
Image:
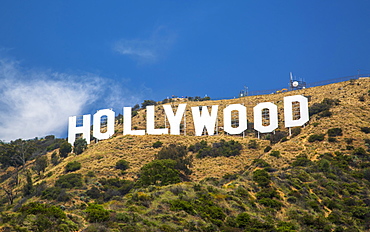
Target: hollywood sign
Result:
[202, 119]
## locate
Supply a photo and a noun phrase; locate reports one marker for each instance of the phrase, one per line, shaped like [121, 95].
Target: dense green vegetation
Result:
[328, 194]
[18, 152]
[79, 146]
[73, 166]
[222, 148]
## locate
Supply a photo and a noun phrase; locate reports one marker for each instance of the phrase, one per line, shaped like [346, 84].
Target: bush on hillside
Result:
[272, 203]
[159, 172]
[79, 146]
[261, 163]
[122, 165]
[296, 131]
[322, 109]
[359, 151]
[365, 129]
[94, 193]
[43, 217]
[333, 132]
[278, 136]
[72, 180]
[41, 163]
[252, 144]
[157, 144]
[96, 213]
[301, 160]
[115, 187]
[275, 154]
[73, 166]
[261, 177]
[65, 149]
[267, 149]
[222, 148]
[316, 137]
[54, 158]
[198, 146]
[179, 154]
[56, 193]
[148, 103]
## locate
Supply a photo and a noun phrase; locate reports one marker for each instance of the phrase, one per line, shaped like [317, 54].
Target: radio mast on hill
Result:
[244, 92]
[295, 84]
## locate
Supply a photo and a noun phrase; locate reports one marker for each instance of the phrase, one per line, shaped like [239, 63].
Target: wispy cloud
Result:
[148, 50]
[38, 103]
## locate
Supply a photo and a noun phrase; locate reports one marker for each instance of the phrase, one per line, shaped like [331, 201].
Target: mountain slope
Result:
[276, 183]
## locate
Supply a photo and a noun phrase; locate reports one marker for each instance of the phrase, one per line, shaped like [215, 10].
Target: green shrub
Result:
[332, 140]
[301, 160]
[252, 144]
[366, 130]
[157, 144]
[148, 103]
[325, 113]
[243, 220]
[317, 108]
[261, 163]
[79, 146]
[72, 180]
[179, 154]
[316, 137]
[55, 158]
[267, 149]
[268, 193]
[65, 149]
[159, 172]
[56, 193]
[114, 187]
[284, 139]
[367, 174]
[73, 166]
[296, 131]
[261, 177]
[94, 193]
[28, 188]
[359, 151]
[286, 227]
[41, 163]
[90, 174]
[122, 165]
[222, 148]
[333, 132]
[46, 216]
[322, 109]
[275, 154]
[349, 140]
[198, 146]
[278, 136]
[360, 212]
[177, 205]
[272, 203]
[96, 213]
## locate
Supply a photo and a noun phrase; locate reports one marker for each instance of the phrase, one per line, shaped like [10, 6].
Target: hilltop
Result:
[316, 179]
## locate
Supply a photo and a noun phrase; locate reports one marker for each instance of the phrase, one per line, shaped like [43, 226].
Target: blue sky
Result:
[63, 58]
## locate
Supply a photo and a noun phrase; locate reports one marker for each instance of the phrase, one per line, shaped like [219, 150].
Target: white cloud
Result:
[146, 50]
[38, 103]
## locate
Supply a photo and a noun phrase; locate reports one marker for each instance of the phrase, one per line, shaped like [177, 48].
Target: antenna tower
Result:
[296, 84]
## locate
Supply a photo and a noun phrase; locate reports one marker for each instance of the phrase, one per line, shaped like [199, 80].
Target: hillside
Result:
[315, 180]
